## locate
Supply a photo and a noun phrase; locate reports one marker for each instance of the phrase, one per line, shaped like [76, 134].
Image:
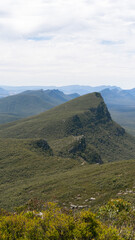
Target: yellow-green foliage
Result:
[55, 224]
[121, 214]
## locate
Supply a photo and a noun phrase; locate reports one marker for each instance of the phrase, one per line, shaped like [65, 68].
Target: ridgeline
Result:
[50, 156]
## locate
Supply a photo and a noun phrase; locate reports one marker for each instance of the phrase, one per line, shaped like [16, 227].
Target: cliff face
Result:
[88, 119]
[101, 113]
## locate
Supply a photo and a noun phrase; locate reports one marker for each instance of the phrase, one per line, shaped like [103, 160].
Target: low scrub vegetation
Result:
[48, 221]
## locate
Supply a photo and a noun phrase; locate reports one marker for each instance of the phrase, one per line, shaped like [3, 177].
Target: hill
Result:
[30, 103]
[83, 123]
[48, 156]
[121, 105]
[27, 171]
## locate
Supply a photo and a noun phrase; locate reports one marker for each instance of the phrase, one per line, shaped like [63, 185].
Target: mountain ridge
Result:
[65, 155]
[69, 89]
[30, 103]
[85, 116]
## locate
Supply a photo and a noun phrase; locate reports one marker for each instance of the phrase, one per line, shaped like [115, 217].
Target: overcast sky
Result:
[64, 42]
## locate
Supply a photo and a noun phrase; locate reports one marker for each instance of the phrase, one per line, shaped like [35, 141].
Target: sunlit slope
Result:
[78, 133]
[43, 125]
[30, 103]
[28, 171]
[85, 117]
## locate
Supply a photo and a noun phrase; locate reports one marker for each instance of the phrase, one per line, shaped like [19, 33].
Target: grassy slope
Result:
[27, 172]
[30, 103]
[50, 123]
[6, 117]
[77, 117]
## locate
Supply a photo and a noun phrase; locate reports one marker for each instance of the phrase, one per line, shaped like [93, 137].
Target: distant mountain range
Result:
[30, 103]
[84, 89]
[83, 116]
[118, 97]
[121, 103]
[71, 89]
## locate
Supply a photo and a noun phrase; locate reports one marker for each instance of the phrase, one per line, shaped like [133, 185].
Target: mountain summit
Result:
[82, 127]
[51, 156]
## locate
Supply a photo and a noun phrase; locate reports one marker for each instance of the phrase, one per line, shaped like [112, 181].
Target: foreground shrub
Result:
[54, 224]
[121, 215]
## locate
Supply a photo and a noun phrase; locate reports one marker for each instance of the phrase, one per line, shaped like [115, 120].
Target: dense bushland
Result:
[52, 222]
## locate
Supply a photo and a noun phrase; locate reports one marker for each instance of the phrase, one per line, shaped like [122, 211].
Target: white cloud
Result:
[67, 42]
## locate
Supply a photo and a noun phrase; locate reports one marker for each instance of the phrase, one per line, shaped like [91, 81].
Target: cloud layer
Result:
[62, 42]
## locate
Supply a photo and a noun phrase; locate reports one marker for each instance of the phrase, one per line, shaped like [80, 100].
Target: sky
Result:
[65, 42]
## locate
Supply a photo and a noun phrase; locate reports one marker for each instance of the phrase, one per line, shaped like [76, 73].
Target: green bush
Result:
[54, 224]
[121, 215]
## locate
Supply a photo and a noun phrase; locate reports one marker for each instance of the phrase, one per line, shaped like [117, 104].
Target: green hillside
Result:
[85, 118]
[6, 117]
[30, 103]
[29, 171]
[49, 156]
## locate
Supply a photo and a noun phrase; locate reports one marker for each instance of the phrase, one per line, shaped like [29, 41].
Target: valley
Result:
[121, 104]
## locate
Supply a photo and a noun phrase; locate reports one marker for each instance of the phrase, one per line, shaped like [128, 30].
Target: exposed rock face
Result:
[101, 113]
[78, 146]
[74, 125]
[44, 146]
[94, 116]
[79, 149]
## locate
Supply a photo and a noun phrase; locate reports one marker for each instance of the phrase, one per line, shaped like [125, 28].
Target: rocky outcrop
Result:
[79, 149]
[43, 145]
